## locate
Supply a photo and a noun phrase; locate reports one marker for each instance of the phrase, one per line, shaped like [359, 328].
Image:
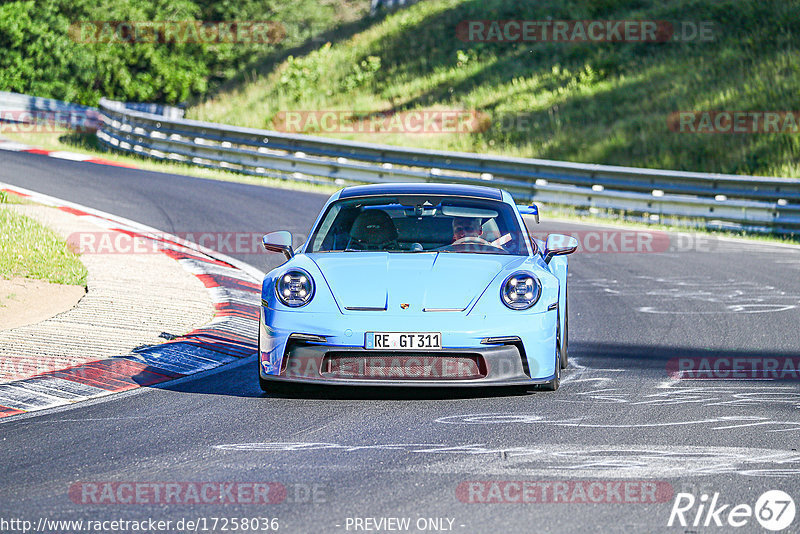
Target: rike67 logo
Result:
[774, 510]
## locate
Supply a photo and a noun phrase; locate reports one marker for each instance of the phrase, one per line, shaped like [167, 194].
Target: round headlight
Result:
[520, 291]
[295, 288]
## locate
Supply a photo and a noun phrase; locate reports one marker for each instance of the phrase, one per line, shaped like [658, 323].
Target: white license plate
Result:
[403, 340]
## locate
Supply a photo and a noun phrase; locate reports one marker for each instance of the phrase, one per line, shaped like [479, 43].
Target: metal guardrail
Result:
[19, 108]
[747, 202]
[24, 109]
[170, 112]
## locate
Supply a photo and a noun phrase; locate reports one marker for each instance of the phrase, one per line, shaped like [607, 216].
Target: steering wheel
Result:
[471, 240]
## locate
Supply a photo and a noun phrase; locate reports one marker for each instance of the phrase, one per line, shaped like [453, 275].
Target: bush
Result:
[41, 56]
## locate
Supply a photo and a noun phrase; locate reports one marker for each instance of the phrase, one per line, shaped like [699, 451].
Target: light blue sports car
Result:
[416, 284]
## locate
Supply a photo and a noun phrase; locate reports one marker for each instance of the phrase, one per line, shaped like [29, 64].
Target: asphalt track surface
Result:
[618, 415]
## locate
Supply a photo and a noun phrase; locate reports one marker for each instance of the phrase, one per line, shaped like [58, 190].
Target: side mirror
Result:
[279, 242]
[558, 245]
[530, 210]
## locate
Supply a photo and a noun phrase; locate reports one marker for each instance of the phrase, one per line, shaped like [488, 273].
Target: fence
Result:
[748, 202]
[19, 108]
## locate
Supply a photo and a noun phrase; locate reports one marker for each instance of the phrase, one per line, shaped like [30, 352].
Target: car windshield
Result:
[406, 223]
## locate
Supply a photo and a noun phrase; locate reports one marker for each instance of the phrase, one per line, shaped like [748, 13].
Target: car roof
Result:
[456, 190]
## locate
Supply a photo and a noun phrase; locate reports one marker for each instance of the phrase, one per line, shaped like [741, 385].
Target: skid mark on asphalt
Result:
[586, 389]
[577, 372]
[683, 295]
[566, 460]
[711, 423]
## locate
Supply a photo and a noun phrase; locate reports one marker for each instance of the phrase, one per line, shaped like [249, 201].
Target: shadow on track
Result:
[241, 381]
[402, 393]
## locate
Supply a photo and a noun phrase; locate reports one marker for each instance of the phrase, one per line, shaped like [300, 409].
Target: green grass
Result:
[9, 198]
[30, 250]
[602, 103]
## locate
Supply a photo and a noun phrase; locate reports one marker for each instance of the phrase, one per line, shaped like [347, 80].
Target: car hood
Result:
[382, 280]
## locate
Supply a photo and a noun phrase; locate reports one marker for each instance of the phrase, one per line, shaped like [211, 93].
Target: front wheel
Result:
[266, 387]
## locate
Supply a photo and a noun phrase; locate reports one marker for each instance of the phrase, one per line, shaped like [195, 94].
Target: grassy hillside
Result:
[45, 53]
[587, 102]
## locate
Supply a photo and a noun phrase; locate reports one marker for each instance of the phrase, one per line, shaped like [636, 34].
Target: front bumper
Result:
[323, 364]
[530, 361]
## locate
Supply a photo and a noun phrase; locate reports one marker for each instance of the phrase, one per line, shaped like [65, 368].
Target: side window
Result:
[490, 230]
[323, 231]
[339, 234]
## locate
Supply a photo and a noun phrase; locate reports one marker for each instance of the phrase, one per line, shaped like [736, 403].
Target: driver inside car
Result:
[466, 227]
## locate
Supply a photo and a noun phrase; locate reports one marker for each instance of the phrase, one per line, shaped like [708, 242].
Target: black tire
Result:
[272, 386]
[282, 389]
[266, 387]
